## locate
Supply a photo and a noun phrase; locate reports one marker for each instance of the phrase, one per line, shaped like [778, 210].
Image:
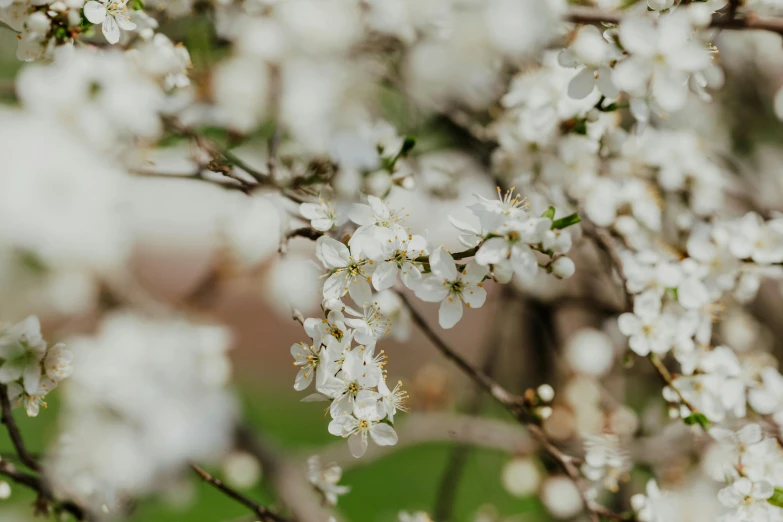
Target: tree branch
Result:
[262, 512]
[605, 244]
[589, 15]
[13, 431]
[514, 405]
[288, 478]
[305, 232]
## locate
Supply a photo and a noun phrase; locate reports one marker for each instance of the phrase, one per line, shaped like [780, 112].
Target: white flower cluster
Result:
[750, 464]
[675, 301]
[325, 479]
[142, 387]
[45, 25]
[379, 251]
[29, 367]
[605, 463]
[653, 60]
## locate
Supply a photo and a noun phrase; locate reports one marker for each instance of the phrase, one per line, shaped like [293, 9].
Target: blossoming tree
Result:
[357, 160]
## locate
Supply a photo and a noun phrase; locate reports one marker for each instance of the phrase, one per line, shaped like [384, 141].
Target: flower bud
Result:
[38, 22]
[563, 268]
[545, 392]
[521, 477]
[544, 412]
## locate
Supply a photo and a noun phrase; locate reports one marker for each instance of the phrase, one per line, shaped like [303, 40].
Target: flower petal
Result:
[582, 84]
[357, 444]
[442, 264]
[494, 250]
[385, 275]
[383, 435]
[95, 12]
[110, 29]
[474, 296]
[450, 312]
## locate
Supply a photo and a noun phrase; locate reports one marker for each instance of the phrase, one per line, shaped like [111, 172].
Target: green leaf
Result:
[777, 498]
[580, 127]
[137, 5]
[549, 213]
[697, 418]
[407, 146]
[567, 221]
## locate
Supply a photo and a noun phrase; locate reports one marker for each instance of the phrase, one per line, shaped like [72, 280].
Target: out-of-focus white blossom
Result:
[140, 390]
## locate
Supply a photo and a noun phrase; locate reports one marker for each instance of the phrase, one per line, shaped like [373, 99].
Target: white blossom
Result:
[111, 14]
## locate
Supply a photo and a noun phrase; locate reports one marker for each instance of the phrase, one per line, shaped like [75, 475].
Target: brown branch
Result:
[305, 232]
[211, 148]
[288, 478]
[262, 512]
[45, 497]
[588, 15]
[28, 480]
[514, 405]
[605, 243]
[732, 8]
[13, 431]
[197, 176]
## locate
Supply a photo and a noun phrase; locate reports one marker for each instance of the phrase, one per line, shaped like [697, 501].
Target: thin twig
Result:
[286, 477]
[605, 244]
[13, 431]
[45, 497]
[28, 459]
[262, 512]
[514, 405]
[589, 15]
[211, 148]
[305, 232]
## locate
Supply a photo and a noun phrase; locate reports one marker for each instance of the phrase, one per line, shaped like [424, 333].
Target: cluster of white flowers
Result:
[749, 465]
[325, 479]
[142, 387]
[605, 463]
[28, 366]
[378, 252]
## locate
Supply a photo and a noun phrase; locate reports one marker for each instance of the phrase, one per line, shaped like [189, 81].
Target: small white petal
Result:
[95, 12]
[110, 29]
[450, 312]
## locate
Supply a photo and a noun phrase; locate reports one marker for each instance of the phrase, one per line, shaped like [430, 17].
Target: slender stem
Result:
[34, 483]
[305, 232]
[667, 378]
[13, 431]
[605, 244]
[30, 481]
[262, 512]
[458, 255]
[513, 404]
[589, 15]
[510, 402]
